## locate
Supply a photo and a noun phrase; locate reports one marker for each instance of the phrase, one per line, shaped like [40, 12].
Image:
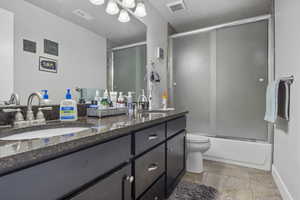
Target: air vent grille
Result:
[83, 14]
[176, 6]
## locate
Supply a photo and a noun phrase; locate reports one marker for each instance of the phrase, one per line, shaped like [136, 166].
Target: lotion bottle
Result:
[68, 108]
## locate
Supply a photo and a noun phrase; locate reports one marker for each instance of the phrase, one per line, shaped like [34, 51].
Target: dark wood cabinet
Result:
[175, 159]
[117, 186]
[155, 156]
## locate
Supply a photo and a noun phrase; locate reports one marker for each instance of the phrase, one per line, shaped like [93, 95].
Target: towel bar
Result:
[288, 79]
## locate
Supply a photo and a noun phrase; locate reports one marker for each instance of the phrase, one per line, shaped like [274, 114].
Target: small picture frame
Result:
[29, 46]
[50, 47]
[47, 65]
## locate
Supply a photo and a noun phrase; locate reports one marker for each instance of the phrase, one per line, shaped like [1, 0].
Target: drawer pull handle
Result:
[152, 167]
[152, 137]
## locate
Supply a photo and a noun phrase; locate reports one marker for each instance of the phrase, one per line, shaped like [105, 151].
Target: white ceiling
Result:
[202, 13]
[102, 24]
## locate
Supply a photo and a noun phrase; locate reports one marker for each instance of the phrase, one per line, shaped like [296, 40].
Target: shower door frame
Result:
[271, 57]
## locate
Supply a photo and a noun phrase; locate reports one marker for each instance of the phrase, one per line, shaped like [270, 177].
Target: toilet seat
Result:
[196, 138]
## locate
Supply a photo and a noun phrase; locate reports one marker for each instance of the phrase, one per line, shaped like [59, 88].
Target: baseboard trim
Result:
[286, 195]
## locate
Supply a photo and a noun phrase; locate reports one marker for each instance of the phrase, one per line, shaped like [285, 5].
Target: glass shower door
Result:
[221, 78]
[129, 69]
[192, 81]
[241, 81]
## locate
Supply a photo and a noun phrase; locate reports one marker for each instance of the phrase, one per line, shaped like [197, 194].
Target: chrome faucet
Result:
[29, 115]
[14, 99]
[143, 102]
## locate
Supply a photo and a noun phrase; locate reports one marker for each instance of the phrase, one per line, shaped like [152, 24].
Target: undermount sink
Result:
[45, 133]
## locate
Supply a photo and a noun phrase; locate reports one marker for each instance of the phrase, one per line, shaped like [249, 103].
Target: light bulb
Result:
[112, 8]
[140, 10]
[128, 3]
[124, 16]
[97, 2]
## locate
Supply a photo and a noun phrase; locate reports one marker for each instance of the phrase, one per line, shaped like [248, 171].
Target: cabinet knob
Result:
[156, 198]
[130, 178]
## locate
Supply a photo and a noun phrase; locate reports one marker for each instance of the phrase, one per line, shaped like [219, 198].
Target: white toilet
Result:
[196, 146]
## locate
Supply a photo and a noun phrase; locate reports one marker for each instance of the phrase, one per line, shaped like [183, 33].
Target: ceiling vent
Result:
[83, 14]
[176, 6]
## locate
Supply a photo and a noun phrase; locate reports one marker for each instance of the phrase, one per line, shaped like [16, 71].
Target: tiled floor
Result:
[237, 183]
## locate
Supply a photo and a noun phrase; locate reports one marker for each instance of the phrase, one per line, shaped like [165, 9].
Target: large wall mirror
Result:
[55, 45]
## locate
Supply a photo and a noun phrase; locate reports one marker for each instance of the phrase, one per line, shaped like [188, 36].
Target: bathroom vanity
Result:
[119, 158]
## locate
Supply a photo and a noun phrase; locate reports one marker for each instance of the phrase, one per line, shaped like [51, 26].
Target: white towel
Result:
[272, 102]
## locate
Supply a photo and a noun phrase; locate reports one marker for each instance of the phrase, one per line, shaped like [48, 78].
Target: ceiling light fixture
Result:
[112, 7]
[134, 7]
[128, 3]
[140, 10]
[97, 2]
[124, 16]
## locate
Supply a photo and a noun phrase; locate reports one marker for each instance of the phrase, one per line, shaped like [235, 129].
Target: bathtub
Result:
[244, 153]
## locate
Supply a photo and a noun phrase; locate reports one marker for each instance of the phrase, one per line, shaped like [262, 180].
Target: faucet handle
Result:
[10, 110]
[40, 115]
[18, 117]
[45, 108]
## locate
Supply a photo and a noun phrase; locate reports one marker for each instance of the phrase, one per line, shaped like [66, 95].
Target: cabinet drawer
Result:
[121, 189]
[156, 192]
[149, 137]
[148, 168]
[58, 177]
[176, 125]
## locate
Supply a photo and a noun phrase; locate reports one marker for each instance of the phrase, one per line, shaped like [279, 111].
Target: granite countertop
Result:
[21, 153]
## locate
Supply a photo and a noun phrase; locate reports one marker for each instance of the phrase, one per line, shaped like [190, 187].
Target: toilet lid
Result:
[196, 138]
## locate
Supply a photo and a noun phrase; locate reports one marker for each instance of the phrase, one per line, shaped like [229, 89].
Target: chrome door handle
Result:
[152, 167]
[152, 137]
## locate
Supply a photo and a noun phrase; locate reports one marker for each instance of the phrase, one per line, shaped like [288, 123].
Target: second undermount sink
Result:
[46, 133]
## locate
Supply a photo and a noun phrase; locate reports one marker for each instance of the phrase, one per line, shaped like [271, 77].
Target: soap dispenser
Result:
[46, 99]
[68, 108]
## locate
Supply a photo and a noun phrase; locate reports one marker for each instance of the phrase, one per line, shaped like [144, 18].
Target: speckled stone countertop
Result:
[21, 153]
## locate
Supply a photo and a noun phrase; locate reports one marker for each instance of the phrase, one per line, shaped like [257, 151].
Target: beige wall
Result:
[287, 135]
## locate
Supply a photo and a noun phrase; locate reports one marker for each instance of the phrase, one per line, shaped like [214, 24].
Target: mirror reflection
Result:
[52, 46]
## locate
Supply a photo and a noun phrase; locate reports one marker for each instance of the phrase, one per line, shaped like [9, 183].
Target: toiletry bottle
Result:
[165, 100]
[105, 100]
[46, 99]
[97, 97]
[121, 101]
[113, 98]
[68, 108]
[130, 103]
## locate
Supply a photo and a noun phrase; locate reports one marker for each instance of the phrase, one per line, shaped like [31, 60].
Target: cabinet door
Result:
[61, 176]
[175, 158]
[117, 186]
